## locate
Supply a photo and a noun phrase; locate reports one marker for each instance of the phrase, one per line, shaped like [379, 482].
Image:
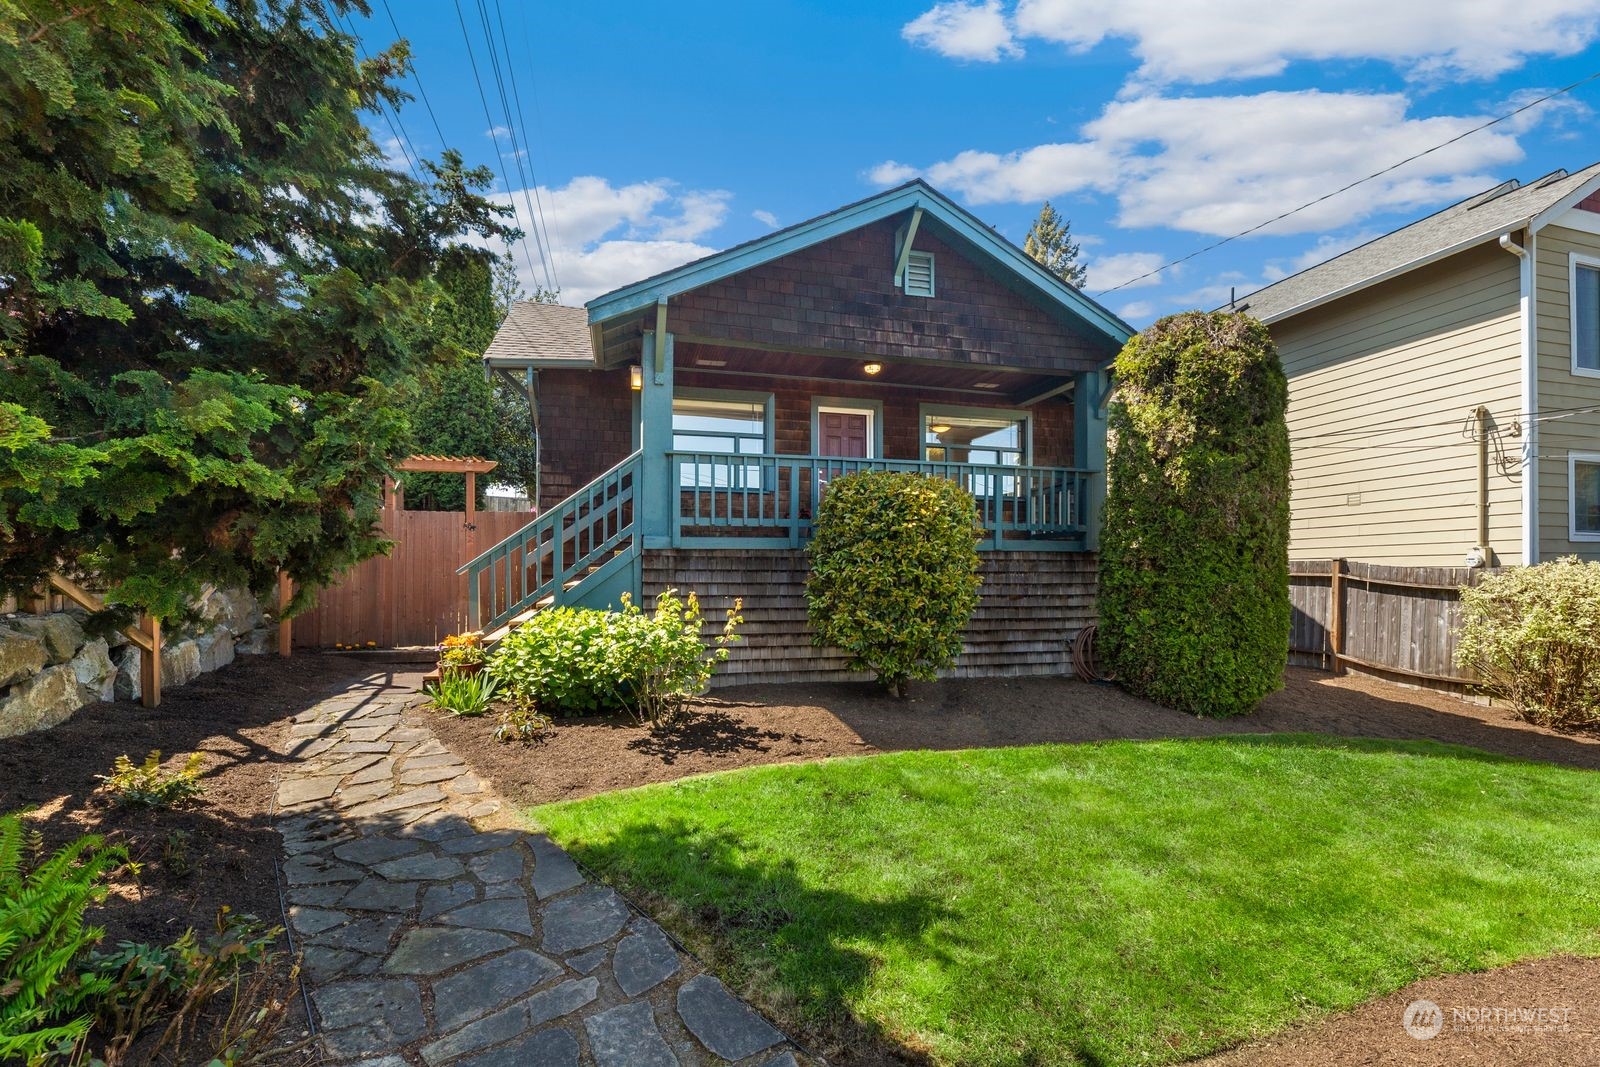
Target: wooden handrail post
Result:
[285, 625]
[1336, 569]
[150, 663]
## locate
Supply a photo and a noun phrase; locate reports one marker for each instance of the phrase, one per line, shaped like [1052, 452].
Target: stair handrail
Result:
[553, 521]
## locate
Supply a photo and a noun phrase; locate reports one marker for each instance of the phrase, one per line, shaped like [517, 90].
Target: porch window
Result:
[719, 427]
[992, 440]
[1585, 317]
[1584, 471]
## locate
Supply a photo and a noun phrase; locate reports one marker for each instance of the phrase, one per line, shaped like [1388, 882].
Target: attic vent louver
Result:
[919, 274]
[1498, 191]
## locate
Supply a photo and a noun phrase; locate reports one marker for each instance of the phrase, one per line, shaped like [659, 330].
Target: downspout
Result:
[1527, 351]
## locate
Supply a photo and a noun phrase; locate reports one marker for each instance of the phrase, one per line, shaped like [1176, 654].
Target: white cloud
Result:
[1136, 311]
[604, 236]
[1124, 269]
[766, 218]
[891, 173]
[1201, 43]
[497, 132]
[961, 30]
[1218, 165]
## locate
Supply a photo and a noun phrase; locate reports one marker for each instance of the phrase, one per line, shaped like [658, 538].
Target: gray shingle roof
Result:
[1477, 219]
[540, 333]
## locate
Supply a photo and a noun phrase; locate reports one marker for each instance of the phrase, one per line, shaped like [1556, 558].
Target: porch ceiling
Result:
[742, 366]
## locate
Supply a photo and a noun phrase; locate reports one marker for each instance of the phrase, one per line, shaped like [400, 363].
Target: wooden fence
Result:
[1391, 620]
[413, 596]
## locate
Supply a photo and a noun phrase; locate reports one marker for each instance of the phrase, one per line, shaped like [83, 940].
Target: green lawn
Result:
[1129, 902]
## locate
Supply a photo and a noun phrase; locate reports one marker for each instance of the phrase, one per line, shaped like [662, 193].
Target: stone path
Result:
[432, 943]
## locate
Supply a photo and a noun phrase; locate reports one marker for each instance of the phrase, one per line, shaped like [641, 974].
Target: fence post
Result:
[150, 663]
[1336, 613]
[285, 626]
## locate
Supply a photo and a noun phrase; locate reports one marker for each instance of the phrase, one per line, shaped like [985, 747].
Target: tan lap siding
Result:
[1561, 391]
[1381, 384]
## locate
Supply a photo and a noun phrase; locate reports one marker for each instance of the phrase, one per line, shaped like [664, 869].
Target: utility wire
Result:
[402, 139]
[517, 151]
[416, 76]
[493, 135]
[516, 97]
[1359, 181]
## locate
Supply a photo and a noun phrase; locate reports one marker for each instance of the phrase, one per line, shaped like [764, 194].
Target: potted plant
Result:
[462, 654]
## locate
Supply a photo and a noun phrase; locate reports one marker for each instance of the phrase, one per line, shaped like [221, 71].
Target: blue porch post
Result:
[1089, 425]
[658, 495]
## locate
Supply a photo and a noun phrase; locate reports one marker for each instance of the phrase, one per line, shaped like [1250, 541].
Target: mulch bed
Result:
[753, 725]
[747, 726]
[219, 852]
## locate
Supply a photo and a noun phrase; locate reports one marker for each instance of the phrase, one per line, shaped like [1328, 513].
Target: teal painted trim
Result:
[603, 589]
[655, 441]
[872, 407]
[1089, 447]
[914, 194]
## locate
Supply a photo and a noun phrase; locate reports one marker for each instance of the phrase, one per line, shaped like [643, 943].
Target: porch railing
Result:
[763, 501]
[547, 557]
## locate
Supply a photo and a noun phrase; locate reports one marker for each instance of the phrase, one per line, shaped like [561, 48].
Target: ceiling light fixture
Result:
[872, 368]
[940, 427]
[711, 363]
[987, 385]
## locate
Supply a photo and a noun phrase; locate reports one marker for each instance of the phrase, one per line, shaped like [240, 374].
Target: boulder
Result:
[257, 642]
[216, 649]
[127, 684]
[49, 698]
[180, 663]
[60, 632]
[95, 672]
[234, 610]
[22, 655]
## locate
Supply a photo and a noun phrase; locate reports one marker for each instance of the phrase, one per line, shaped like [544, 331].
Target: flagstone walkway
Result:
[432, 943]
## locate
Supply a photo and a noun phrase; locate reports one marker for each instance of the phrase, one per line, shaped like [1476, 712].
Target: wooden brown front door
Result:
[843, 433]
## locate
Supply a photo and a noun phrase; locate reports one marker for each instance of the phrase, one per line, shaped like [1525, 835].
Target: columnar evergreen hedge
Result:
[1194, 573]
[894, 573]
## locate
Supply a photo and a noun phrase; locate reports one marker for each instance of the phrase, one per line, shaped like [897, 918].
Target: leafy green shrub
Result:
[173, 983]
[1194, 574]
[1533, 636]
[894, 573]
[572, 661]
[463, 694]
[143, 785]
[44, 996]
[520, 720]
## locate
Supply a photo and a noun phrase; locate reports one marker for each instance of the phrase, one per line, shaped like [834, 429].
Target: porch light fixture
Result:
[872, 368]
[986, 385]
[940, 427]
[635, 377]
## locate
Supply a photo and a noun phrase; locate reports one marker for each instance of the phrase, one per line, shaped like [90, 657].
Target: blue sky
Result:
[657, 133]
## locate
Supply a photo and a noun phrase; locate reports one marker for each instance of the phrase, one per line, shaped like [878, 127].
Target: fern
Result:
[43, 994]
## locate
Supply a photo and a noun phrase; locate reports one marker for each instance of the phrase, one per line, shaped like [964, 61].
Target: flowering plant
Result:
[460, 650]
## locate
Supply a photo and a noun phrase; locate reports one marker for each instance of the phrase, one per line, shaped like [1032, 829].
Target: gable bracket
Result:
[903, 239]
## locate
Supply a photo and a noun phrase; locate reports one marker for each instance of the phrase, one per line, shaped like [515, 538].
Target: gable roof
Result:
[953, 220]
[536, 334]
[1467, 224]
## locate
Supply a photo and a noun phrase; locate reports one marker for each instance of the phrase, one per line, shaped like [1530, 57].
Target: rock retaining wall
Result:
[49, 667]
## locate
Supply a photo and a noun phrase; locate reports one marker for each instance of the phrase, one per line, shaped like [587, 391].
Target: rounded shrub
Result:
[1194, 572]
[894, 573]
[1533, 636]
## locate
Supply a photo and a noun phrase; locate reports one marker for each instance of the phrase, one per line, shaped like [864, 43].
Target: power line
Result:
[416, 76]
[493, 135]
[516, 96]
[402, 139]
[1360, 181]
[517, 151]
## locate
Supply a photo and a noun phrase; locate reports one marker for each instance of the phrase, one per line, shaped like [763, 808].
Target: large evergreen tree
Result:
[214, 295]
[1050, 242]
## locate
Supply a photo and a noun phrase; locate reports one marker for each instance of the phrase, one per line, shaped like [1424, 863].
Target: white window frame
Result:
[1573, 459]
[1575, 261]
[747, 474]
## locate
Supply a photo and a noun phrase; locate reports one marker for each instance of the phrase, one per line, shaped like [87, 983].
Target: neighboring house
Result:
[688, 424]
[1392, 348]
